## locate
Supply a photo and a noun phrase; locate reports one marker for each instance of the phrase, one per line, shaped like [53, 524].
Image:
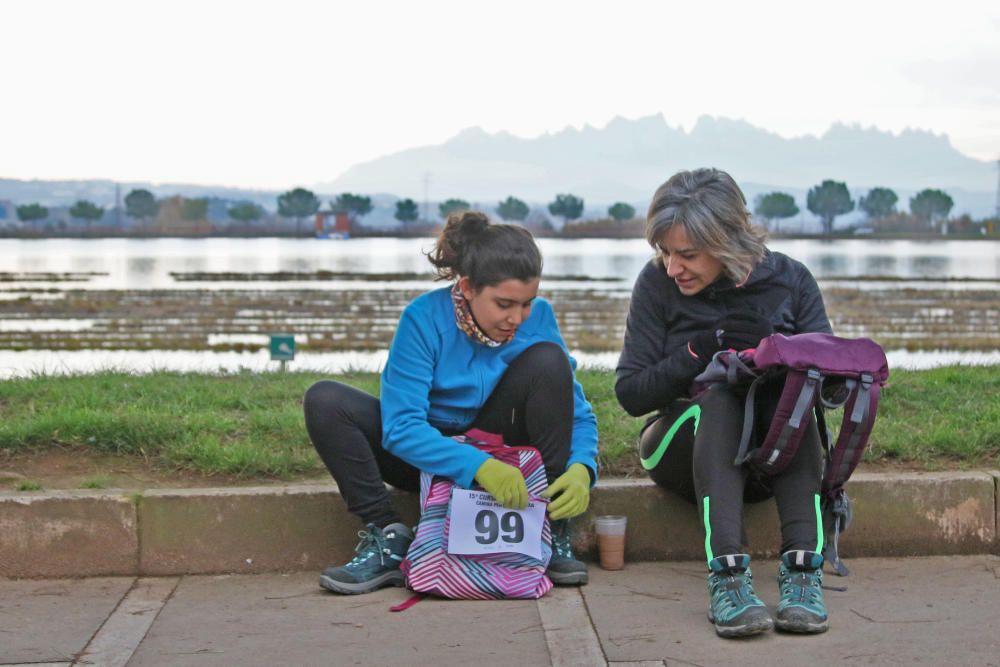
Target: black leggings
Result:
[697, 464]
[531, 405]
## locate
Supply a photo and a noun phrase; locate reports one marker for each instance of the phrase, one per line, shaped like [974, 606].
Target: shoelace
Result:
[731, 589]
[803, 585]
[372, 541]
[561, 545]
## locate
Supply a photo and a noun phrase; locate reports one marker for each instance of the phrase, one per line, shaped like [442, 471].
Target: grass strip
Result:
[250, 425]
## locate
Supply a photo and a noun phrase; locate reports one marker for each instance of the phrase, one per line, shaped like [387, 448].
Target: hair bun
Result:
[470, 246]
[471, 223]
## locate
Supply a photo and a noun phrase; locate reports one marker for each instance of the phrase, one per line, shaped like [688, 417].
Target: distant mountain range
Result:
[627, 159]
[624, 161]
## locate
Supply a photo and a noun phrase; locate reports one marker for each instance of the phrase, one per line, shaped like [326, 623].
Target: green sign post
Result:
[282, 348]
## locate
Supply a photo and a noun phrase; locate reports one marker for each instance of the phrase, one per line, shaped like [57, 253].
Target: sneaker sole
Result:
[394, 578]
[755, 627]
[802, 627]
[568, 578]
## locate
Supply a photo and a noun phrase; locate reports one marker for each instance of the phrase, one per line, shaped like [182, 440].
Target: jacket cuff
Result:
[468, 478]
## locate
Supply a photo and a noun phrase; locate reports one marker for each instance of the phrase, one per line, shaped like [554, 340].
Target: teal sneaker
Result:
[564, 568]
[376, 564]
[734, 608]
[800, 579]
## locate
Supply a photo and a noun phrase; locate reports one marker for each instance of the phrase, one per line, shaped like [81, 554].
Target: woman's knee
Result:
[720, 400]
[665, 449]
[328, 400]
[547, 360]
[333, 411]
[321, 397]
[720, 427]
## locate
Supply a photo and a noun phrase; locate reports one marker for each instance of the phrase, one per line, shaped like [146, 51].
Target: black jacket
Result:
[655, 366]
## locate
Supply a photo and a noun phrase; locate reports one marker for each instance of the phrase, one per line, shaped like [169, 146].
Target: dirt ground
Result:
[63, 468]
[76, 468]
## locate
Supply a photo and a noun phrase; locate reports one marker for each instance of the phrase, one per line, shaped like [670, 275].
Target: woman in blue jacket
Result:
[484, 353]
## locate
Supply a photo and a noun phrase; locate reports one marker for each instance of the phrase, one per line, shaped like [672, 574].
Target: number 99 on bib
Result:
[480, 525]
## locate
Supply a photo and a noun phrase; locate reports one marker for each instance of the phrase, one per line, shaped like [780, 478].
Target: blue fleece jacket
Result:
[437, 377]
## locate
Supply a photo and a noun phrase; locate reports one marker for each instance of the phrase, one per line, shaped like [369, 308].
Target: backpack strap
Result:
[859, 417]
[791, 418]
[742, 455]
[843, 457]
[804, 402]
[738, 370]
[407, 603]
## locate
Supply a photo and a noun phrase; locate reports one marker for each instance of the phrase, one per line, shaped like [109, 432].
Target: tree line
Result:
[831, 198]
[828, 200]
[299, 203]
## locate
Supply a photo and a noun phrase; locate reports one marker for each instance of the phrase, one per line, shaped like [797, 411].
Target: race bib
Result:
[481, 525]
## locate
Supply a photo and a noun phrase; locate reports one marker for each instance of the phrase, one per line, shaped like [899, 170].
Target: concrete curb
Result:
[306, 527]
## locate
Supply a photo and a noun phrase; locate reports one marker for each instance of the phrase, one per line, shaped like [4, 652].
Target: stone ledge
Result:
[995, 474]
[248, 530]
[898, 514]
[306, 527]
[68, 533]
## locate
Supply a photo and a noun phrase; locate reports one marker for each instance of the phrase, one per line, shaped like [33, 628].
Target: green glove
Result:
[572, 491]
[504, 482]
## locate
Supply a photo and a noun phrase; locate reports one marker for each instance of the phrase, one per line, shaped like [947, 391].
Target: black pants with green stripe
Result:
[689, 449]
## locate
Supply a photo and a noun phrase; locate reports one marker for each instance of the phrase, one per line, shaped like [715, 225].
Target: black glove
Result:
[704, 344]
[743, 329]
[740, 330]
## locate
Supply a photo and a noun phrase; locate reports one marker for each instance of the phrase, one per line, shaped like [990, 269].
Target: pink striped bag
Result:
[429, 568]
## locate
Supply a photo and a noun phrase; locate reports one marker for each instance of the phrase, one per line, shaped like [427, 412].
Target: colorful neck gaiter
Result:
[467, 323]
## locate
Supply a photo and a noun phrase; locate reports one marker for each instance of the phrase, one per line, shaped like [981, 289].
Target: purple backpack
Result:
[819, 371]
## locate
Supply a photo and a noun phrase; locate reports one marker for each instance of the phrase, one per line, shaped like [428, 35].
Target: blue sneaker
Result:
[376, 564]
[800, 578]
[564, 568]
[734, 608]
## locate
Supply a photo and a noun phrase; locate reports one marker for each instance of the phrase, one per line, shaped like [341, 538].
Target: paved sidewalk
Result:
[931, 611]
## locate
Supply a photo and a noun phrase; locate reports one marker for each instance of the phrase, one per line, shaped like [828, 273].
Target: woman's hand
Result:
[704, 344]
[743, 329]
[572, 491]
[504, 482]
[740, 330]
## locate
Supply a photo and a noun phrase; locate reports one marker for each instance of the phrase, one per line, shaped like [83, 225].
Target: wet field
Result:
[211, 304]
[911, 315]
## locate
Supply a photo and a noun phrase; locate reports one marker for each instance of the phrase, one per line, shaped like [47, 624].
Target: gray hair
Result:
[712, 210]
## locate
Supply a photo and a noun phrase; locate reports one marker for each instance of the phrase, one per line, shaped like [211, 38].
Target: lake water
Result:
[149, 264]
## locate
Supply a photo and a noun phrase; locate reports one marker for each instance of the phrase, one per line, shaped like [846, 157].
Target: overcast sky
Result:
[278, 94]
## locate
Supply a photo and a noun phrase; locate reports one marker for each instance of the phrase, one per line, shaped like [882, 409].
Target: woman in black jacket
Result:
[713, 286]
